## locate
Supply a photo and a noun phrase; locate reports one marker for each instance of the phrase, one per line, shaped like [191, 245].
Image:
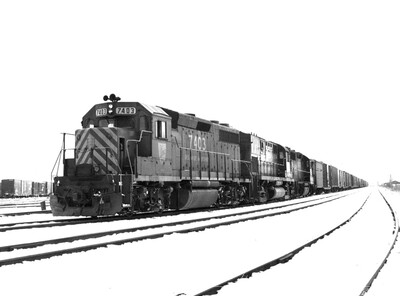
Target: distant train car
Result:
[301, 173]
[11, 187]
[40, 188]
[320, 171]
[43, 188]
[265, 163]
[35, 189]
[340, 180]
[356, 183]
[26, 188]
[333, 178]
[23, 188]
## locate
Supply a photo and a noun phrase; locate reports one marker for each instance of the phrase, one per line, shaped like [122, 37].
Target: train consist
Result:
[23, 188]
[132, 157]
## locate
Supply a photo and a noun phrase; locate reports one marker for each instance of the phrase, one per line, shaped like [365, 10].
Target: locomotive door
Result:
[121, 153]
[289, 173]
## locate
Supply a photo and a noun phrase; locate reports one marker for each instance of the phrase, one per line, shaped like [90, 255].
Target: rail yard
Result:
[261, 243]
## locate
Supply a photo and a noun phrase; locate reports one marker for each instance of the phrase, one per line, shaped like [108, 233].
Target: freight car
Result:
[131, 157]
[40, 188]
[15, 188]
[23, 188]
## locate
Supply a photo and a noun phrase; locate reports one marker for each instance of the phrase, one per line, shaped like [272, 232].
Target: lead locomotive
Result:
[131, 157]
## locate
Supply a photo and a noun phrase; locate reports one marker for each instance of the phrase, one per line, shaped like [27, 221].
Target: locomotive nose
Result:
[98, 149]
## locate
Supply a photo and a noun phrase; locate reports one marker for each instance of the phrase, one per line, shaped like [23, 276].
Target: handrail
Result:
[58, 160]
[248, 163]
[127, 150]
[204, 151]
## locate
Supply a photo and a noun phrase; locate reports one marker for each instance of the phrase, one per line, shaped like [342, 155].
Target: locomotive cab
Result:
[114, 142]
[119, 143]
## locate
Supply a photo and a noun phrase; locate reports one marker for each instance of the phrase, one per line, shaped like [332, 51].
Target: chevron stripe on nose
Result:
[98, 147]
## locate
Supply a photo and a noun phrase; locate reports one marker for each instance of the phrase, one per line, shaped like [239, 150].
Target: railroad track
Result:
[73, 221]
[395, 235]
[26, 213]
[181, 226]
[23, 205]
[291, 254]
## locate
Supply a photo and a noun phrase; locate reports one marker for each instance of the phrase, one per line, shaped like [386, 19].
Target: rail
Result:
[282, 259]
[230, 218]
[395, 235]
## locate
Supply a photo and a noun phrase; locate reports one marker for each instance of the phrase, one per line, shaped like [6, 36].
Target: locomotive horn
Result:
[113, 98]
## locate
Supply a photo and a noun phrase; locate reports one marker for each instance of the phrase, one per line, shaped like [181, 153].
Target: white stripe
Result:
[105, 139]
[82, 133]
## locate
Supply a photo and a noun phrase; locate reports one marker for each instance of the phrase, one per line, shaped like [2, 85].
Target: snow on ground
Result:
[178, 263]
[21, 205]
[27, 235]
[23, 200]
[340, 264]
[29, 218]
[387, 282]
[20, 210]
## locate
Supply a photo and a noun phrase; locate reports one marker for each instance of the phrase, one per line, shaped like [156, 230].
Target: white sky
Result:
[319, 76]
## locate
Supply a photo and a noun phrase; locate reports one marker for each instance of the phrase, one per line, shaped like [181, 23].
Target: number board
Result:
[101, 112]
[119, 111]
[125, 110]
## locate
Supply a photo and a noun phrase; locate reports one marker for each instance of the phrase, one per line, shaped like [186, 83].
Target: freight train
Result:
[23, 188]
[132, 157]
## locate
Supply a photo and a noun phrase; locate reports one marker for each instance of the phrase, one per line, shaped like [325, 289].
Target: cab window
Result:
[161, 129]
[143, 123]
[127, 121]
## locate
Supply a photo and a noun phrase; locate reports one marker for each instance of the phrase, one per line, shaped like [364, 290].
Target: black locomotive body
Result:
[135, 157]
[120, 147]
[132, 157]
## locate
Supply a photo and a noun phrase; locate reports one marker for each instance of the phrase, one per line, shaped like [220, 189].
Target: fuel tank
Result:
[306, 191]
[277, 192]
[184, 199]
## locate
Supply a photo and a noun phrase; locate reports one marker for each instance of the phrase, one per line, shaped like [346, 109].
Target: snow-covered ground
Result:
[36, 200]
[48, 216]
[23, 200]
[21, 205]
[48, 233]
[387, 282]
[24, 235]
[340, 264]
[181, 263]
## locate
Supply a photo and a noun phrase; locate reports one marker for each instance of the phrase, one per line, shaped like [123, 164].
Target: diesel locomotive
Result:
[131, 157]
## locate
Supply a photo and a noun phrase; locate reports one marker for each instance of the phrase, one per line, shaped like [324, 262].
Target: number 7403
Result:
[197, 142]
